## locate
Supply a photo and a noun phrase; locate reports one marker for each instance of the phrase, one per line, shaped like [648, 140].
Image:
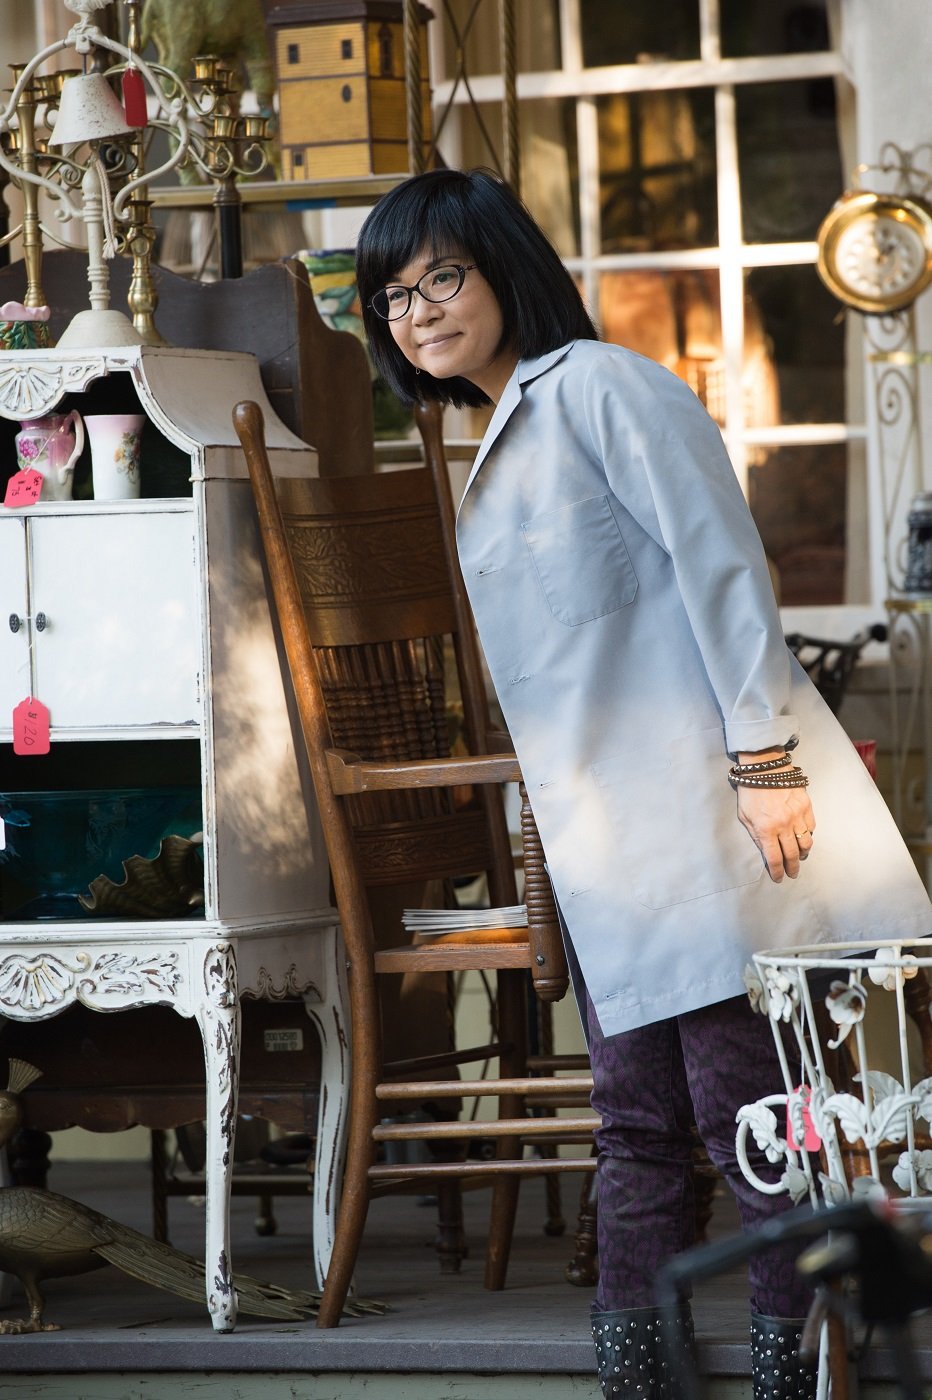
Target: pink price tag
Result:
[31, 727]
[23, 488]
[811, 1141]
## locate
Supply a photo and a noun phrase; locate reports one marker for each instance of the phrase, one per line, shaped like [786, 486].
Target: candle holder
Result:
[224, 145]
[97, 144]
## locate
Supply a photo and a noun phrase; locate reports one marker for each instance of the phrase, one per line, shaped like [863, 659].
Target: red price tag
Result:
[31, 727]
[134, 98]
[811, 1141]
[23, 488]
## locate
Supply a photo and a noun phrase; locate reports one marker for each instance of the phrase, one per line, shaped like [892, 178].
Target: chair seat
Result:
[453, 957]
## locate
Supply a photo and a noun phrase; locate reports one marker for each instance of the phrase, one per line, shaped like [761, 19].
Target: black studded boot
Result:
[776, 1370]
[637, 1351]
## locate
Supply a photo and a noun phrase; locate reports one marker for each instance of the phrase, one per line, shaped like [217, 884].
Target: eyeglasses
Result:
[439, 284]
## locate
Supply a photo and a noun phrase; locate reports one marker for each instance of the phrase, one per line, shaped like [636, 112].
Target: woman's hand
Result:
[780, 822]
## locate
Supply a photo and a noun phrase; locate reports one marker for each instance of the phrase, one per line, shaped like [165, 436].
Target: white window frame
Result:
[732, 257]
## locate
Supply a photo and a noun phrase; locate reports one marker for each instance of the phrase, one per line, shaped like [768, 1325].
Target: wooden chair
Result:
[366, 591]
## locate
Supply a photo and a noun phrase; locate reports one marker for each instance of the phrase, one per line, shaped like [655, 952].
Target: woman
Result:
[627, 615]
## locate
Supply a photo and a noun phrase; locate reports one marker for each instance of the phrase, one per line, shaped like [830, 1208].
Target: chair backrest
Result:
[373, 624]
[307, 368]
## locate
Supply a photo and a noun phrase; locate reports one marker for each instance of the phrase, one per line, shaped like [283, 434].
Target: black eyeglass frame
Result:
[461, 270]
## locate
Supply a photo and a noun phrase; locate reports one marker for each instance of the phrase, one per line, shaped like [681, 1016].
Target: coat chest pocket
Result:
[581, 560]
[674, 823]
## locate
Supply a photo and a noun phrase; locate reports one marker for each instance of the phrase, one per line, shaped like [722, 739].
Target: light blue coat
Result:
[627, 616]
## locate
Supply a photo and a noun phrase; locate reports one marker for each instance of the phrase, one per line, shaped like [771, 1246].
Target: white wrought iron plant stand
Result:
[880, 1118]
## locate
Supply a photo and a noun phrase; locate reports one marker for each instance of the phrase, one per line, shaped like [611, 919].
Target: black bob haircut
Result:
[473, 214]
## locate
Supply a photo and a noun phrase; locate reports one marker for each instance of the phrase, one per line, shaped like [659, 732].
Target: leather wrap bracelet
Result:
[789, 778]
[763, 767]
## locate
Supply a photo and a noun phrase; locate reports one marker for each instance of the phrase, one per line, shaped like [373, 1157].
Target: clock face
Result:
[879, 256]
[875, 251]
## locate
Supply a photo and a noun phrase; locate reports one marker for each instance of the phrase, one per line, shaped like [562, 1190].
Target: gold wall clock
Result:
[875, 250]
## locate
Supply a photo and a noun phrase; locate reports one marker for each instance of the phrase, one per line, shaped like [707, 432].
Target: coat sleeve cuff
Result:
[754, 735]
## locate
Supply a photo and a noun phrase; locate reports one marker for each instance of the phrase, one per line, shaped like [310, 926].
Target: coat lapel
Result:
[525, 371]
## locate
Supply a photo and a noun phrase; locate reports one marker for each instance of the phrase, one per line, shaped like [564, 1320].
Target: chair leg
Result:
[159, 1157]
[365, 1071]
[512, 1032]
[583, 1268]
[351, 1220]
[451, 1237]
[329, 1011]
[501, 1230]
[705, 1184]
[554, 1223]
[265, 1222]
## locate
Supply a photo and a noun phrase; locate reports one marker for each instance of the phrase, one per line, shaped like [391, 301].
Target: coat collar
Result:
[524, 372]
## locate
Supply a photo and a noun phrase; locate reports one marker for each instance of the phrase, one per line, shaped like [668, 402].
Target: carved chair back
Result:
[380, 612]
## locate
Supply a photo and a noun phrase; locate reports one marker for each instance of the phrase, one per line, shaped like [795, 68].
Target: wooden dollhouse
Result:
[340, 67]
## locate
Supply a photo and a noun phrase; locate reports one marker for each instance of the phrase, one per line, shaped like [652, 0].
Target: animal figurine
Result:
[43, 1235]
[182, 29]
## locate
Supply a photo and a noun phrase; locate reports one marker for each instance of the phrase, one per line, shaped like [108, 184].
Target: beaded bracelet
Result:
[761, 767]
[792, 778]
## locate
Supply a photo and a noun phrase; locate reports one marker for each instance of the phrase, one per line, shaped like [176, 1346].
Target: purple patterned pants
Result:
[650, 1086]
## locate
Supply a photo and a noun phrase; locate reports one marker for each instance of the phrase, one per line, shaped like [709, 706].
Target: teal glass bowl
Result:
[56, 843]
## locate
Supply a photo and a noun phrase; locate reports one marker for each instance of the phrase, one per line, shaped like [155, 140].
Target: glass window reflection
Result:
[798, 497]
[772, 26]
[672, 317]
[627, 33]
[657, 170]
[549, 167]
[788, 158]
[796, 322]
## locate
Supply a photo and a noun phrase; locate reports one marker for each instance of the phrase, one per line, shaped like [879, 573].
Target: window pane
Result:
[548, 161]
[537, 35]
[657, 170]
[674, 318]
[772, 26]
[798, 498]
[788, 159]
[795, 336]
[628, 33]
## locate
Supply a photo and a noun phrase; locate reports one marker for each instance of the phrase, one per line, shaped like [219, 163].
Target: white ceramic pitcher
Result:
[51, 446]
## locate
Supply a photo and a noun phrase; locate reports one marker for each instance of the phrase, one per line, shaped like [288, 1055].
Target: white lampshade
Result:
[89, 110]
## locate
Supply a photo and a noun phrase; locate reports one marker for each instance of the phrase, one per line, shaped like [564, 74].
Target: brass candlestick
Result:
[25, 146]
[140, 237]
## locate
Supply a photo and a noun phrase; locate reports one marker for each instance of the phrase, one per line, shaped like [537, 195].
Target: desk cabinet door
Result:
[14, 637]
[120, 642]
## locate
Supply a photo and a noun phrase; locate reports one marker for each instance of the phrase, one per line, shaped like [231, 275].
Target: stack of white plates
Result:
[431, 922]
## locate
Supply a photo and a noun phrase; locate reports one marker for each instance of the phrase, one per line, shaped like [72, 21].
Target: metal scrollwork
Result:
[870, 1131]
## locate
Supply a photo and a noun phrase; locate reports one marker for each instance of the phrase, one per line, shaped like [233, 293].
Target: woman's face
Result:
[456, 337]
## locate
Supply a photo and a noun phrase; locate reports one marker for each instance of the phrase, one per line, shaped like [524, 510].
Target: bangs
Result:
[435, 221]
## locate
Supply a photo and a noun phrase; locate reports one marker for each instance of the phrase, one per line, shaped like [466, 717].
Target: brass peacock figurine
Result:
[43, 1235]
